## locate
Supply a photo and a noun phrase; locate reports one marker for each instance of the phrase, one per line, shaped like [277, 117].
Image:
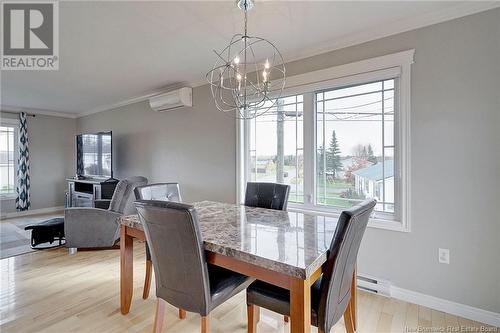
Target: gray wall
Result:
[193, 146]
[455, 126]
[52, 154]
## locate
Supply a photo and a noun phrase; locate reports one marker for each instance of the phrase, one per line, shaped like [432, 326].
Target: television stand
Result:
[84, 192]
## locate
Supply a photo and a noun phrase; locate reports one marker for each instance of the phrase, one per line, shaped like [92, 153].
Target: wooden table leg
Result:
[126, 270]
[252, 318]
[354, 299]
[300, 306]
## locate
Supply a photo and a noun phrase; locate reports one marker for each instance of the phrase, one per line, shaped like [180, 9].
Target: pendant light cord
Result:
[245, 37]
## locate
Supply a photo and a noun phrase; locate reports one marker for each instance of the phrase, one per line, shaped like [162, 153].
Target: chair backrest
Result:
[123, 197]
[159, 191]
[340, 265]
[174, 239]
[267, 195]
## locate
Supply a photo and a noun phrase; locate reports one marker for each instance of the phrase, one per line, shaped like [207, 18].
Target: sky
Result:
[366, 129]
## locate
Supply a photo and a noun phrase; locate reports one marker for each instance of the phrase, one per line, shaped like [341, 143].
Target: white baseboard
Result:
[457, 309]
[32, 212]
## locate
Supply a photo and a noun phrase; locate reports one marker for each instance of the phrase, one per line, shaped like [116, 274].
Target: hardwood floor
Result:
[50, 291]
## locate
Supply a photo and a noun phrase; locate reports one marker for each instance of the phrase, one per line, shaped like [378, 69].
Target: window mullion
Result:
[383, 148]
[309, 147]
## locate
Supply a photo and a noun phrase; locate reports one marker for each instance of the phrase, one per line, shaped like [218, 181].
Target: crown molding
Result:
[136, 99]
[385, 30]
[17, 109]
[119, 104]
[394, 28]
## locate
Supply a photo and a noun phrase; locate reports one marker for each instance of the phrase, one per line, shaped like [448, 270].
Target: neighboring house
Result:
[369, 181]
[348, 163]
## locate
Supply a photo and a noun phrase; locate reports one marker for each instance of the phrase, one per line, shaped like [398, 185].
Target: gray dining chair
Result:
[267, 195]
[86, 227]
[162, 192]
[331, 293]
[183, 277]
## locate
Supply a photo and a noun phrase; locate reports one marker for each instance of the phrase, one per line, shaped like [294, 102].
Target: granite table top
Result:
[291, 243]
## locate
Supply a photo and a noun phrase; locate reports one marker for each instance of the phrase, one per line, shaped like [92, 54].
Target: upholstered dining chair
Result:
[331, 293]
[162, 192]
[183, 277]
[86, 227]
[267, 195]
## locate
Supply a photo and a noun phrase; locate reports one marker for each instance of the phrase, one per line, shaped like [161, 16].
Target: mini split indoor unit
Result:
[172, 100]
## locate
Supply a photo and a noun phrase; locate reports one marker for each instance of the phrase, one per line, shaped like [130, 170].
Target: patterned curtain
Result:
[79, 155]
[23, 171]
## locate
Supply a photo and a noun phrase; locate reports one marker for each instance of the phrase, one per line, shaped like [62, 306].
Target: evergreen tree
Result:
[320, 160]
[371, 155]
[333, 163]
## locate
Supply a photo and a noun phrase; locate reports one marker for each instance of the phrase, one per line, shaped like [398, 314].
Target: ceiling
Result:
[111, 52]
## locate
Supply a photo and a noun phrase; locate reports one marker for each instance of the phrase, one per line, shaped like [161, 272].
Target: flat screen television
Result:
[94, 155]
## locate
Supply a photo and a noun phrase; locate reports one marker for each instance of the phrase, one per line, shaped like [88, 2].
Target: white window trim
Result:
[396, 64]
[9, 122]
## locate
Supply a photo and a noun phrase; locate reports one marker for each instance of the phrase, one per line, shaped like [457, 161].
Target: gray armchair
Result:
[98, 228]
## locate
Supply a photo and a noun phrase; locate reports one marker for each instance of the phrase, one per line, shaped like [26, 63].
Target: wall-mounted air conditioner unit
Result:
[172, 100]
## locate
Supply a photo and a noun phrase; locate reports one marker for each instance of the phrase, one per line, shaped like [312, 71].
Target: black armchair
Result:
[267, 195]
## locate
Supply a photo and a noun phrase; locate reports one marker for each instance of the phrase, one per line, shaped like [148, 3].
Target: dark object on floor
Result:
[47, 231]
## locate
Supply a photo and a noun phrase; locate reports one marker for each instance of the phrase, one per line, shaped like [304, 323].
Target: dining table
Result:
[284, 248]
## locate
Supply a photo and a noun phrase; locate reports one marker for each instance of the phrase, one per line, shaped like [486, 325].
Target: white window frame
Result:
[396, 65]
[8, 122]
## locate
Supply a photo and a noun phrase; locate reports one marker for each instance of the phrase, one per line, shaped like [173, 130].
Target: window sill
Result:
[8, 197]
[376, 223]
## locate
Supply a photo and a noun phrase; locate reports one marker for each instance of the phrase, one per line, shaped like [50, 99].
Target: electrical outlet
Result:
[444, 256]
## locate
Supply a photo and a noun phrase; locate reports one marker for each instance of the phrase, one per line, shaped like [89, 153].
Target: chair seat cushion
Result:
[225, 284]
[277, 299]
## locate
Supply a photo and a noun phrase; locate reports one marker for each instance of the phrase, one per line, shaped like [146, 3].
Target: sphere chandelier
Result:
[249, 74]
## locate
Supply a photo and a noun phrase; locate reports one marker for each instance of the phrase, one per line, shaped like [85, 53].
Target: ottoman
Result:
[47, 231]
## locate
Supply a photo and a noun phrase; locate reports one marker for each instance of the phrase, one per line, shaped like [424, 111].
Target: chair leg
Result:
[348, 320]
[182, 314]
[205, 324]
[286, 319]
[147, 279]
[253, 317]
[159, 315]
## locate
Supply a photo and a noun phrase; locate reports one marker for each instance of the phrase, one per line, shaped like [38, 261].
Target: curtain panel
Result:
[23, 171]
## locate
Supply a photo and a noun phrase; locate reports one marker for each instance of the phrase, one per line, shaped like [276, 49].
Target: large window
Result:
[337, 139]
[8, 158]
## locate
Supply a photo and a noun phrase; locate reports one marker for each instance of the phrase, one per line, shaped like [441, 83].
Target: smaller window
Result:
[8, 159]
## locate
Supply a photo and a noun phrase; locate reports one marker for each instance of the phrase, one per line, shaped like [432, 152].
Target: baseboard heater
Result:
[374, 285]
